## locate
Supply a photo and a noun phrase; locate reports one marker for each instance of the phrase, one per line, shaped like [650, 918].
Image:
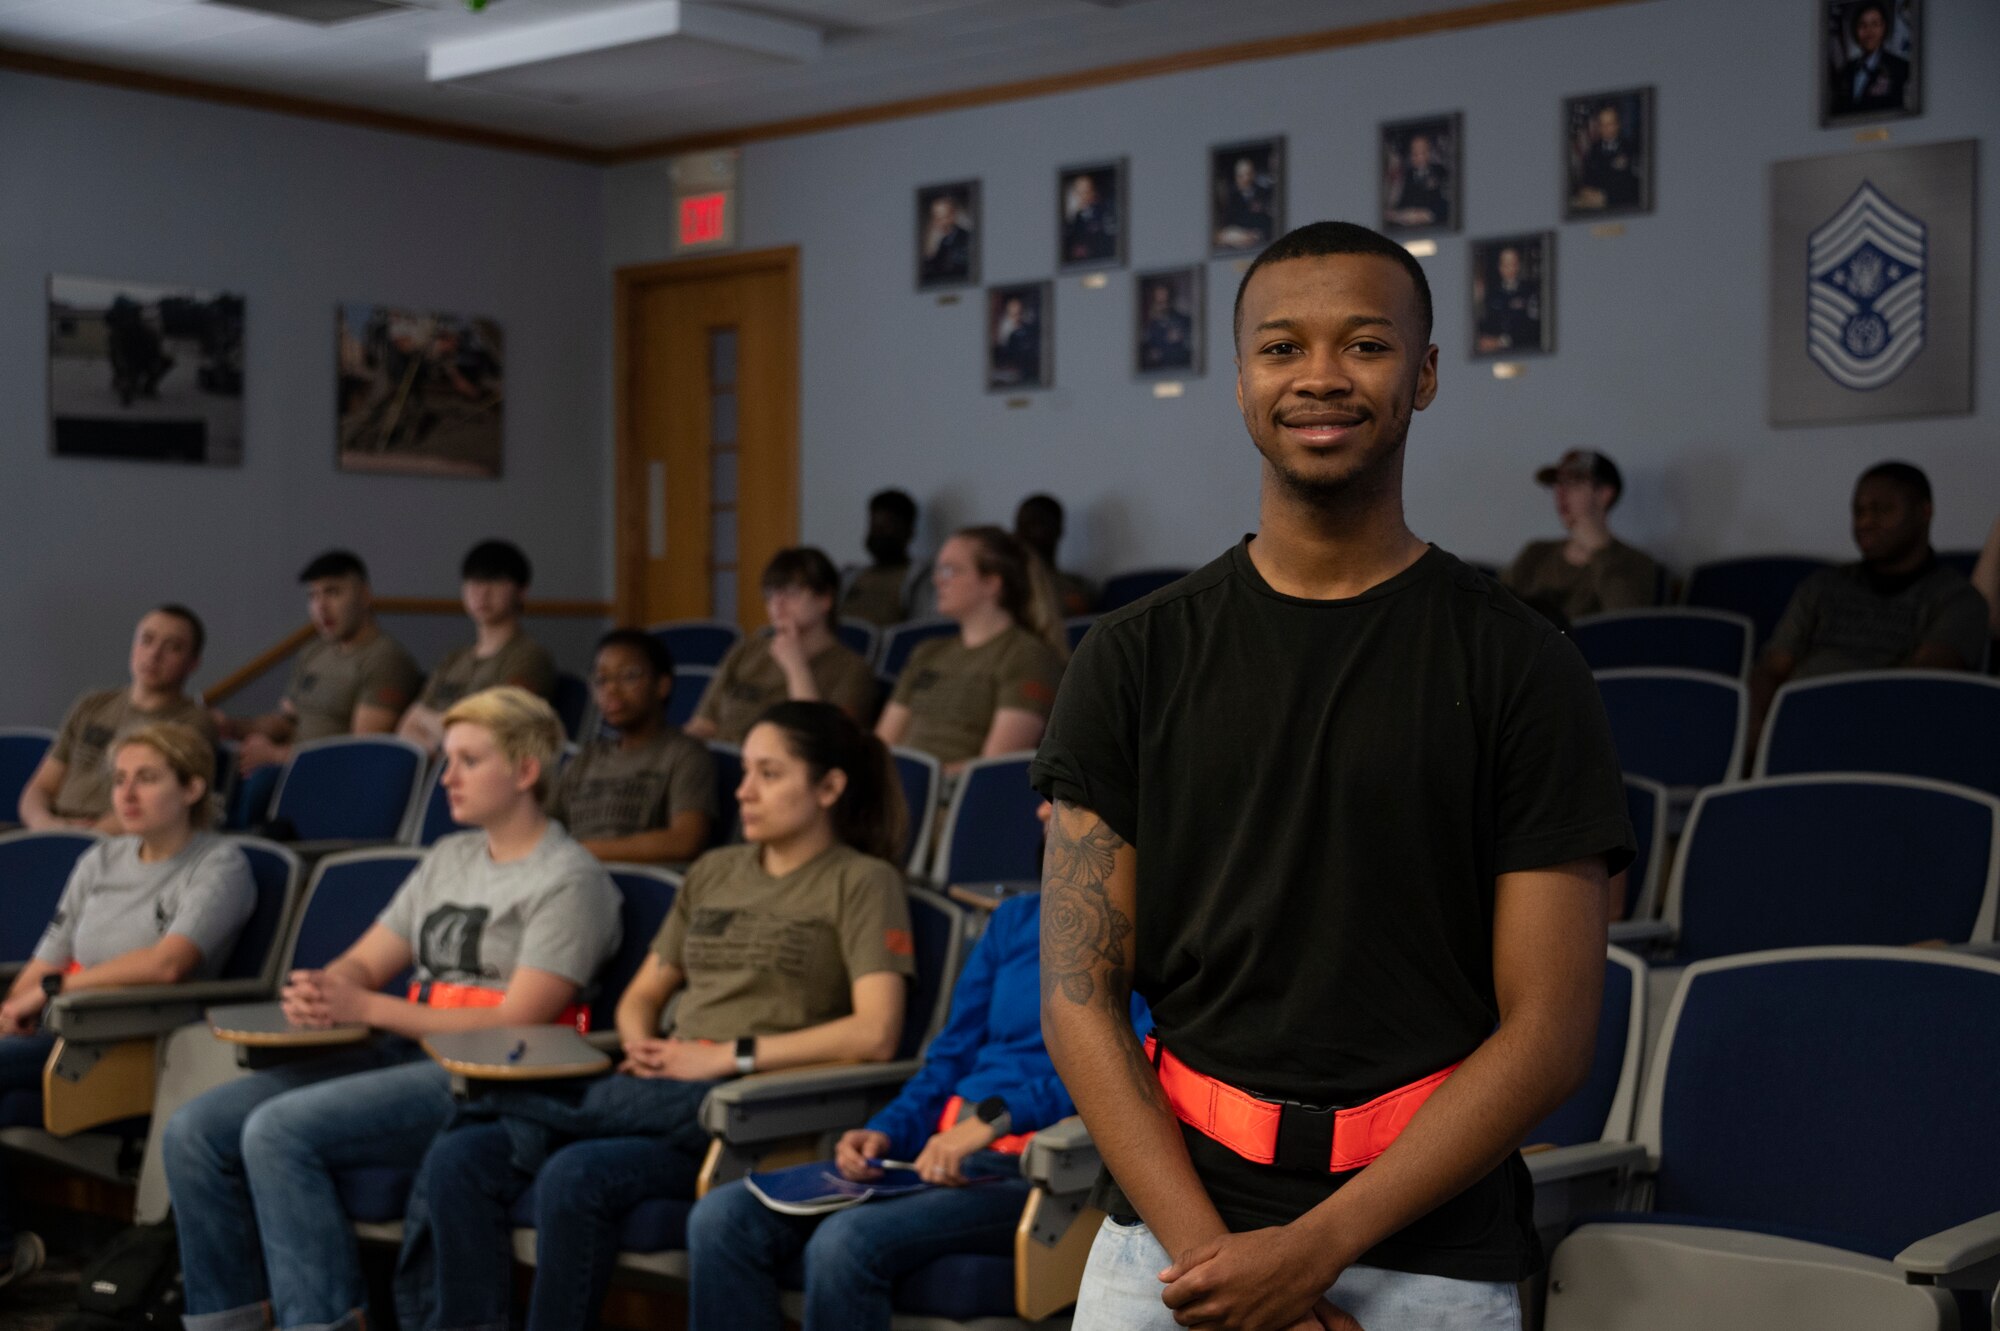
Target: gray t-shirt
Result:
[471, 921]
[1843, 619]
[117, 903]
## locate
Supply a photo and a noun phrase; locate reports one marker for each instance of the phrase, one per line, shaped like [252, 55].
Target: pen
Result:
[874, 1163]
[520, 1048]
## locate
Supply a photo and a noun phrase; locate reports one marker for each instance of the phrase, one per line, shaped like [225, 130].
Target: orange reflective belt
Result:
[1012, 1144]
[73, 967]
[1284, 1132]
[436, 993]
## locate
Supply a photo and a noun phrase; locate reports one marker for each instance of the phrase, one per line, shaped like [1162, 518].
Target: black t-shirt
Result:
[1321, 794]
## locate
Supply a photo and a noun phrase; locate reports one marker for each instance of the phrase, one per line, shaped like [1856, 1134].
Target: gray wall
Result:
[297, 215]
[1660, 332]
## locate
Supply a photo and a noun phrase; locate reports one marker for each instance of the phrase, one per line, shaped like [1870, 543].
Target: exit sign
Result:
[704, 200]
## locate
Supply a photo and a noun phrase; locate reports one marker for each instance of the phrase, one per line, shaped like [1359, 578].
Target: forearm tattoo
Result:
[1082, 932]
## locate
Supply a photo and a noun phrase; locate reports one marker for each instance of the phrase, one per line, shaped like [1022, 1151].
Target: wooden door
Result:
[707, 400]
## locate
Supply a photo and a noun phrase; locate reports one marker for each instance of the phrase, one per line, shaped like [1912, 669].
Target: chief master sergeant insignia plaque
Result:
[1871, 285]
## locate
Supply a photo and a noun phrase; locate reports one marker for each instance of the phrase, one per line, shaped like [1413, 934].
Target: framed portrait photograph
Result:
[1246, 196]
[1090, 216]
[1871, 61]
[1020, 339]
[145, 371]
[1167, 326]
[419, 393]
[1421, 174]
[948, 235]
[1513, 295]
[1608, 154]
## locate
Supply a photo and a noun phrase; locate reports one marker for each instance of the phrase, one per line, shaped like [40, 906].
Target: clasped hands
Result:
[317, 999]
[663, 1058]
[1259, 1280]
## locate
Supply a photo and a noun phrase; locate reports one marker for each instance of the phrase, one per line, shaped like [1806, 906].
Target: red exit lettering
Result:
[702, 217]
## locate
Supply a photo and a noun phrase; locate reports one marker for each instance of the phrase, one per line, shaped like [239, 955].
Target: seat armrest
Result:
[136, 1011]
[770, 1106]
[1953, 1251]
[1640, 933]
[1062, 1158]
[9, 969]
[1567, 1162]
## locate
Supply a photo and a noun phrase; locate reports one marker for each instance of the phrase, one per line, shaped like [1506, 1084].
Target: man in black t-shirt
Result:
[1342, 810]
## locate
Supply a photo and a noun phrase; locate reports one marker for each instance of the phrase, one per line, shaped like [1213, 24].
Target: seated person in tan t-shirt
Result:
[799, 658]
[880, 592]
[493, 582]
[987, 690]
[1591, 570]
[644, 794]
[72, 786]
[354, 679]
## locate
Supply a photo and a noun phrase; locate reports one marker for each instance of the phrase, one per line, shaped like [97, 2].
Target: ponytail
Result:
[870, 814]
[1027, 588]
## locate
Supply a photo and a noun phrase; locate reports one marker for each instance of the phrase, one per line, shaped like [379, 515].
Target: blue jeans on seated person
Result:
[1121, 1292]
[737, 1246]
[22, 1058]
[251, 1168]
[458, 1237]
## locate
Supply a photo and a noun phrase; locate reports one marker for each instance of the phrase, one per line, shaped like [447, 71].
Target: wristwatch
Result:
[992, 1111]
[52, 984]
[746, 1055]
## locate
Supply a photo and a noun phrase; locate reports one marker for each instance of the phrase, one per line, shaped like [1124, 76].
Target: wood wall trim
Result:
[270, 658]
[1268, 48]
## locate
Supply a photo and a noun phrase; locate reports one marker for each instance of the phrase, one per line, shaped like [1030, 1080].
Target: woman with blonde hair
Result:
[501, 925]
[987, 689]
[160, 904]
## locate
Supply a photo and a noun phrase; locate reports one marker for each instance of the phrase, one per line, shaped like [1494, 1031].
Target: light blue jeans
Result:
[1121, 1292]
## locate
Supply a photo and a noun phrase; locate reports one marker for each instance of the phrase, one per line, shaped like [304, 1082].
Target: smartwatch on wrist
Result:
[992, 1111]
[52, 984]
[746, 1055]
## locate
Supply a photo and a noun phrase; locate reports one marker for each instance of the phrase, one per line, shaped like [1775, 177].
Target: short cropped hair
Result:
[522, 726]
[895, 502]
[497, 561]
[802, 566]
[1317, 240]
[648, 645]
[188, 754]
[1910, 479]
[196, 628]
[335, 564]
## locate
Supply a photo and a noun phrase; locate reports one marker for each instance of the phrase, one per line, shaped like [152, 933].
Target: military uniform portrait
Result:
[1020, 345]
[948, 235]
[1168, 327]
[1246, 203]
[1608, 154]
[1513, 295]
[1871, 61]
[1090, 216]
[1421, 174]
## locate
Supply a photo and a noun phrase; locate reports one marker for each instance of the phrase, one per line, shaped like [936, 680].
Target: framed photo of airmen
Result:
[1420, 174]
[1608, 154]
[1246, 196]
[1168, 328]
[1090, 216]
[948, 235]
[1020, 344]
[1513, 295]
[1871, 62]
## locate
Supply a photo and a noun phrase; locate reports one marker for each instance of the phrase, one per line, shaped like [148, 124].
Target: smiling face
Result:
[148, 794]
[480, 782]
[163, 653]
[778, 797]
[1331, 362]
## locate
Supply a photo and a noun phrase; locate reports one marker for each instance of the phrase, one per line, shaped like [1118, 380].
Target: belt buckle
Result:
[1305, 1136]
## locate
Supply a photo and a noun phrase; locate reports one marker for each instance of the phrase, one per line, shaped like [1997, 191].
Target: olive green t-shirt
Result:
[1618, 577]
[521, 661]
[750, 680]
[953, 690]
[89, 735]
[764, 955]
[606, 792]
[876, 595]
[329, 682]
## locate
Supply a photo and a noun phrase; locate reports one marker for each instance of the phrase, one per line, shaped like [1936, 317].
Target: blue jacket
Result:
[992, 1042]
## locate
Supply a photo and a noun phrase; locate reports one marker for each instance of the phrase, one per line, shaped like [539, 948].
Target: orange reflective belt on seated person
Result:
[436, 993]
[1012, 1144]
[1284, 1132]
[73, 967]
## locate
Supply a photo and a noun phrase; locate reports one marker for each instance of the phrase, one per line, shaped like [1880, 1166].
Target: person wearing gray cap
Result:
[1590, 570]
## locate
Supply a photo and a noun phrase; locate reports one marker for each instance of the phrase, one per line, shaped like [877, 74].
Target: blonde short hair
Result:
[188, 754]
[522, 725]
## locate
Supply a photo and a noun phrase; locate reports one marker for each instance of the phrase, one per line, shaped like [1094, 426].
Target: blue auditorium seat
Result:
[728, 776]
[690, 683]
[859, 637]
[22, 749]
[922, 780]
[902, 639]
[34, 869]
[1759, 587]
[350, 788]
[1941, 724]
[1676, 637]
[991, 833]
[572, 702]
[1681, 728]
[702, 642]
